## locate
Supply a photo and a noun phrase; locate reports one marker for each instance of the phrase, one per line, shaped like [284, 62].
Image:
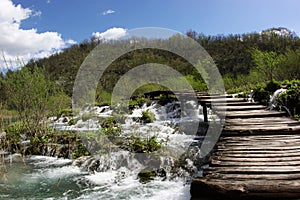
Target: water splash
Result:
[273, 99]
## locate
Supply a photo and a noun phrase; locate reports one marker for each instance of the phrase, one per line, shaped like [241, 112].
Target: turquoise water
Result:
[51, 178]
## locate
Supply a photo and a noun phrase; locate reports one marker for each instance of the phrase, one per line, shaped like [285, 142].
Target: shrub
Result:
[291, 100]
[110, 127]
[263, 91]
[147, 117]
[64, 113]
[139, 145]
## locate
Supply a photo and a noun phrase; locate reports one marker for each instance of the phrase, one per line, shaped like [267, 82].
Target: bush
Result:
[110, 127]
[263, 91]
[291, 99]
[64, 113]
[147, 117]
[139, 145]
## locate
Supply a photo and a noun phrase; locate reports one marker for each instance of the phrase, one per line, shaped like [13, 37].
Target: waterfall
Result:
[116, 172]
[273, 98]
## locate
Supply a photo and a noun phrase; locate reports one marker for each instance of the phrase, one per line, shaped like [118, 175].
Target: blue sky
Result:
[65, 22]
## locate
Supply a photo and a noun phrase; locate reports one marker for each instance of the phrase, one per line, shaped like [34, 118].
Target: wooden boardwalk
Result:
[256, 157]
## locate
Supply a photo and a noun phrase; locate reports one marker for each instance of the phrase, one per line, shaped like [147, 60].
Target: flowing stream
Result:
[115, 175]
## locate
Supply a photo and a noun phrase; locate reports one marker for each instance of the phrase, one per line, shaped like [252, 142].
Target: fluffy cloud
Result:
[21, 44]
[110, 34]
[107, 12]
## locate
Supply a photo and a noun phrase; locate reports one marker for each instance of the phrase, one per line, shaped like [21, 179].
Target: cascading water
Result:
[113, 175]
[273, 99]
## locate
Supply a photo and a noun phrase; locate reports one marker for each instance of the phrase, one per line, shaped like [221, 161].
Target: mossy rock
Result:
[148, 174]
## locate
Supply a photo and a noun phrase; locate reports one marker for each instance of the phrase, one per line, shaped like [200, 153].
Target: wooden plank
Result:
[221, 100]
[250, 186]
[237, 107]
[263, 159]
[252, 114]
[275, 177]
[286, 142]
[233, 103]
[261, 120]
[255, 169]
[270, 146]
[256, 119]
[259, 137]
[257, 132]
[248, 155]
[218, 163]
[251, 151]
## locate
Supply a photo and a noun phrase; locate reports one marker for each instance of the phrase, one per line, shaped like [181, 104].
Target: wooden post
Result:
[203, 104]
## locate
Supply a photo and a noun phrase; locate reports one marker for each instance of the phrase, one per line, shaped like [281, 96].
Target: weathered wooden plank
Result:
[221, 100]
[259, 138]
[267, 152]
[261, 122]
[258, 147]
[263, 126]
[236, 140]
[237, 107]
[260, 143]
[248, 187]
[259, 119]
[275, 177]
[256, 159]
[249, 155]
[218, 163]
[254, 169]
[252, 114]
[257, 132]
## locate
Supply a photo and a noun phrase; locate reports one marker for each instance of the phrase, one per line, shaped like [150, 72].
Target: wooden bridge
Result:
[256, 157]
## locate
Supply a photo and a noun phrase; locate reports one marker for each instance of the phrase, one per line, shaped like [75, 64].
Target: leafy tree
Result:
[266, 63]
[289, 66]
[28, 91]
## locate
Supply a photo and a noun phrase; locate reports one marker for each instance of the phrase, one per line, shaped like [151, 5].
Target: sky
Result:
[32, 29]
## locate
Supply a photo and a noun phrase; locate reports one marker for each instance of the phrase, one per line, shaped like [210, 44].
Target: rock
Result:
[149, 174]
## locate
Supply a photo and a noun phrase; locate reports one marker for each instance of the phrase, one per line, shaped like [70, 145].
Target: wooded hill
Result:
[233, 55]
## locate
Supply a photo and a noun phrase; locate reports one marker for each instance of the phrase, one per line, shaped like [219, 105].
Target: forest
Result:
[262, 62]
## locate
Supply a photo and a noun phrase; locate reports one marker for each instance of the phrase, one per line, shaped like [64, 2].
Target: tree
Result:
[266, 62]
[290, 65]
[28, 91]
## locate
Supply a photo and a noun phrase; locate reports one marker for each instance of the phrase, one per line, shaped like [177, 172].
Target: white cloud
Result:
[37, 14]
[110, 34]
[107, 12]
[24, 44]
[48, 1]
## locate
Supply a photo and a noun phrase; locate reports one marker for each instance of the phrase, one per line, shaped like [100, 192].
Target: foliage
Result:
[147, 116]
[290, 99]
[267, 63]
[263, 91]
[64, 113]
[32, 95]
[109, 127]
[138, 101]
[50, 142]
[139, 145]
[12, 142]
